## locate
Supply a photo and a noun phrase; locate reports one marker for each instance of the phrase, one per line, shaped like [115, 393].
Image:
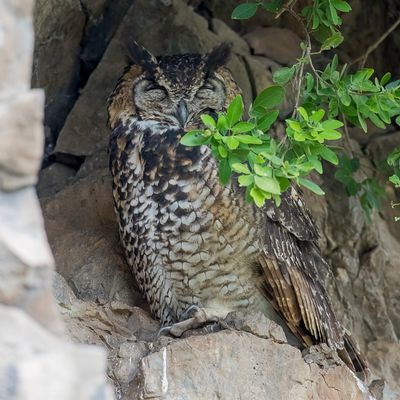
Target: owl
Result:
[197, 249]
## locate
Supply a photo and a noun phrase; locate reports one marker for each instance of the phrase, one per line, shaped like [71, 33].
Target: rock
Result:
[34, 364]
[257, 324]
[226, 34]
[53, 178]
[259, 75]
[181, 30]
[19, 162]
[25, 258]
[233, 365]
[59, 27]
[279, 44]
[83, 235]
[15, 47]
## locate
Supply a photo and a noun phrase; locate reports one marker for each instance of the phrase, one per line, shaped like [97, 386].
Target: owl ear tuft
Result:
[141, 56]
[218, 56]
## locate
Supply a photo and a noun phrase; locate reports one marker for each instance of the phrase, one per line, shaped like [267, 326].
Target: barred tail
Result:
[353, 358]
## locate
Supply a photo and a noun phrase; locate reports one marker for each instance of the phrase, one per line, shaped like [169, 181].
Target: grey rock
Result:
[280, 44]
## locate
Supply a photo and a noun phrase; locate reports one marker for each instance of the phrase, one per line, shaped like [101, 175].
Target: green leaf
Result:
[222, 151]
[341, 5]
[398, 120]
[242, 127]
[295, 125]
[244, 11]
[331, 124]
[330, 135]
[232, 142]
[224, 171]
[333, 41]
[329, 155]
[240, 168]
[310, 185]
[245, 180]
[221, 123]
[269, 185]
[283, 75]
[270, 97]
[377, 121]
[248, 139]
[194, 138]
[317, 116]
[208, 121]
[234, 111]
[267, 120]
[362, 122]
[302, 111]
[272, 5]
[386, 78]
[258, 196]
[334, 15]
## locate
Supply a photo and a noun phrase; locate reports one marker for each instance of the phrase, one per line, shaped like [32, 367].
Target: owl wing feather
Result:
[293, 268]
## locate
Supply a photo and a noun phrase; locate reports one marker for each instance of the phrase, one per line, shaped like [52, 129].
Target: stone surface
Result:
[16, 43]
[34, 364]
[279, 44]
[59, 26]
[85, 240]
[236, 365]
[19, 162]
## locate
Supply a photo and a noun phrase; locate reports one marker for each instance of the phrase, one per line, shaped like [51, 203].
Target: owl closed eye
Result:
[177, 89]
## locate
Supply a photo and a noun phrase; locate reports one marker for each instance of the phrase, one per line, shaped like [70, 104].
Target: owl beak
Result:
[182, 113]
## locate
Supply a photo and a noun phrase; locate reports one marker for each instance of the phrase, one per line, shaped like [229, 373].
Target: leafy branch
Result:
[326, 101]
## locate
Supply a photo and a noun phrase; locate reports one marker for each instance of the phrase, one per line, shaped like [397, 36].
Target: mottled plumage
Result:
[192, 242]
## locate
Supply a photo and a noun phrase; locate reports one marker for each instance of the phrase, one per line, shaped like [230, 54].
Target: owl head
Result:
[173, 90]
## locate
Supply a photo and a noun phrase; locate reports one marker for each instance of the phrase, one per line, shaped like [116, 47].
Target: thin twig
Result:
[288, 6]
[347, 136]
[363, 58]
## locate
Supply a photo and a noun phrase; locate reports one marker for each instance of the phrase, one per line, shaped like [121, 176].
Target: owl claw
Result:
[199, 317]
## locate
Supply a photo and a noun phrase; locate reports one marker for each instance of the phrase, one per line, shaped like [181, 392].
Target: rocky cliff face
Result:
[79, 55]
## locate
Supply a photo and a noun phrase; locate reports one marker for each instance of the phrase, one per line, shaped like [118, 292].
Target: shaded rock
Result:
[233, 365]
[53, 178]
[226, 34]
[59, 27]
[180, 30]
[260, 77]
[83, 235]
[279, 44]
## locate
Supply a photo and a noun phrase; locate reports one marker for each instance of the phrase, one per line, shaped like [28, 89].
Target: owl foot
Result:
[200, 317]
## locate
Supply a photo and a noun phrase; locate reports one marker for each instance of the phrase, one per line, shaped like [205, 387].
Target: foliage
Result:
[326, 101]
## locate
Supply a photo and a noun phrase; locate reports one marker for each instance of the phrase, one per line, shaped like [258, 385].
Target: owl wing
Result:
[293, 268]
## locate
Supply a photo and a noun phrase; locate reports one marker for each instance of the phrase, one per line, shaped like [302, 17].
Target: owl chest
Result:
[187, 231]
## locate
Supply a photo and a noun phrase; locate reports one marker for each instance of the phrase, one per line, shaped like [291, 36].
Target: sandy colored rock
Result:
[238, 365]
[279, 44]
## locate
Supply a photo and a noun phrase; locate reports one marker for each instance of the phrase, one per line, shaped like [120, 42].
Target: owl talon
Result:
[190, 312]
[164, 331]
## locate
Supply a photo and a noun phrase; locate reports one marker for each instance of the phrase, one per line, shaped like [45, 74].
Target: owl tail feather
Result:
[352, 357]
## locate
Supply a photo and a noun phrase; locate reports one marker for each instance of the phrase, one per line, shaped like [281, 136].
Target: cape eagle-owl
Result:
[198, 250]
